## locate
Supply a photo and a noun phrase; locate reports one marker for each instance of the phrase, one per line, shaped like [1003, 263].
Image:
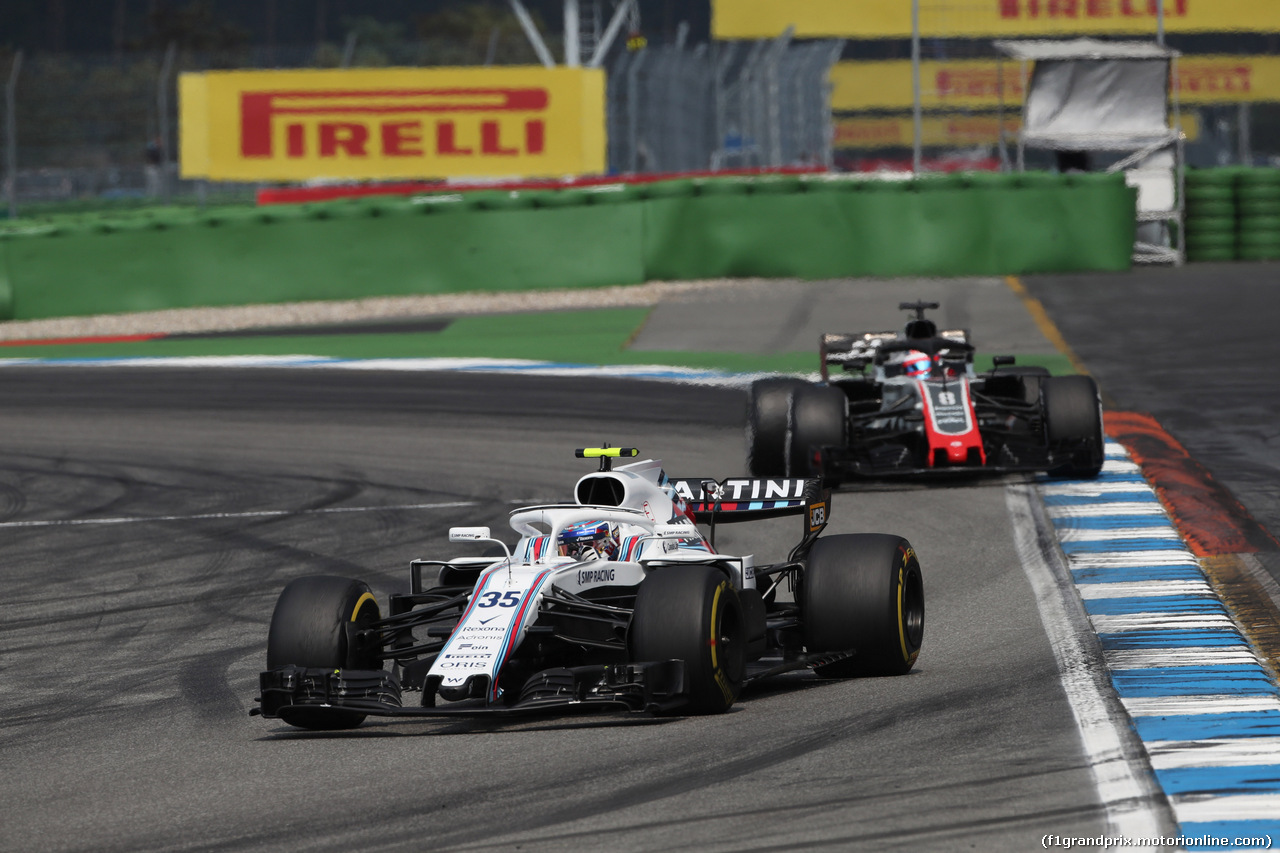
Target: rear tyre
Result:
[818, 417]
[863, 592]
[1073, 419]
[767, 405]
[309, 629]
[693, 614]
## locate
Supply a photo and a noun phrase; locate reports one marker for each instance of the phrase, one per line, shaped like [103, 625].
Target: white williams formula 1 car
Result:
[615, 600]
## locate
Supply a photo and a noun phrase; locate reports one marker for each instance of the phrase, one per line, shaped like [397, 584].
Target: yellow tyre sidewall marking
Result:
[902, 630]
[722, 680]
[907, 657]
[355, 611]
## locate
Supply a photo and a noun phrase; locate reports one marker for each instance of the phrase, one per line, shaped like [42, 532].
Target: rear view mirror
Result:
[468, 534]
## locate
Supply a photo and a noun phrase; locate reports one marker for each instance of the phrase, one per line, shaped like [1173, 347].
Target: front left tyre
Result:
[310, 628]
[1073, 420]
[692, 613]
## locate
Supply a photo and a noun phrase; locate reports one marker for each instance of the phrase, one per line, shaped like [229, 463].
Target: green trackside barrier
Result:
[979, 225]
[773, 226]
[338, 251]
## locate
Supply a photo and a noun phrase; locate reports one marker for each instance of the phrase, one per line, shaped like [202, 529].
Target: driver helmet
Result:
[913, 363]
[587, 538]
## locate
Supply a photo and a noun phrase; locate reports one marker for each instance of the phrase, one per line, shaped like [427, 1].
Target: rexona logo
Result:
[364, 123]
[392, 123]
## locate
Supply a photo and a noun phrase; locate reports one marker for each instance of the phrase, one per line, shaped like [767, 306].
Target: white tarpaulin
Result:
[1087, 94]
[1115, 99]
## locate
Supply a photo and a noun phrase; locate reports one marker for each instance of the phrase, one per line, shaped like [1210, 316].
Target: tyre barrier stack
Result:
[1211, 215]
[1233, 214]
[1258, 214]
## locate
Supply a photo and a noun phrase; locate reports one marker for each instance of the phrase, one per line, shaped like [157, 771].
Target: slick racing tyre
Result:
[818, 417]
[1073, 418]
[691, 613]
[863, 592]
[767, 405]
[308, 629]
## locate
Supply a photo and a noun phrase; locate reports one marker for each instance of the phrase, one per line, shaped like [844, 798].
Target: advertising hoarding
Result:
[873, 19]
[395, 123]
[975, 84]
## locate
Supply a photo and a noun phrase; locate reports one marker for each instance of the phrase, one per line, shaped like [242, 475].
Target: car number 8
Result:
[509, 599]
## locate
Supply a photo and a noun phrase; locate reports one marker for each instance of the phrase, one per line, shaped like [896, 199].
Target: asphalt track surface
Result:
[131, 648]
[1197, 348]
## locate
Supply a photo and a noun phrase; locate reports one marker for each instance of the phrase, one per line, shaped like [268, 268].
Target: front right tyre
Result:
[309, 628]
[768, 405]
[693, 614]
[819, 415]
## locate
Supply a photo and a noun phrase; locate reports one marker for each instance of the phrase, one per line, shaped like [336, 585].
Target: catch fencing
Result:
[95, 131]
[728, 105]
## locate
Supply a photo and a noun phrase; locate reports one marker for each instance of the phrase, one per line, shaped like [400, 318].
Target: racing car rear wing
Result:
[751, 499]
[854, 351]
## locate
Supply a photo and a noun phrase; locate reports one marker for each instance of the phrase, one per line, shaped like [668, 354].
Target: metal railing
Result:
[720, 106]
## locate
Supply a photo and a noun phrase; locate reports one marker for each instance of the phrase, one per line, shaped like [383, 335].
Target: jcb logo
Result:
[388, 123]
[817, 516]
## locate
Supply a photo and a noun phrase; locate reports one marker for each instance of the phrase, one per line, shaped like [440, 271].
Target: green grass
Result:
[598, 336]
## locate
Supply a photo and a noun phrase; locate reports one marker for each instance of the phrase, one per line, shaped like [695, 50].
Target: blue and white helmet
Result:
[597, 536]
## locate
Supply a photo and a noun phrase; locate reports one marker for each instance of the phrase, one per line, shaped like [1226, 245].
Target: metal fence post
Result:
[1244, 134]
[633, 103]
[162, 105]
[11, 134]
[774, 94]
[917, 130]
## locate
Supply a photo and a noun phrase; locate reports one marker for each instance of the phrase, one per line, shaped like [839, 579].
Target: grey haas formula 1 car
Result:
[616, 601]
[911, 403]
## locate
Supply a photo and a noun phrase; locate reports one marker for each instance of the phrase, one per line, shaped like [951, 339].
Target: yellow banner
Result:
[392, 123]
[975, 84]
[942, 131]
[872, 19]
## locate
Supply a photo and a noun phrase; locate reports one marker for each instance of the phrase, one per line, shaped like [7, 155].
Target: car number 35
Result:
[500, 599]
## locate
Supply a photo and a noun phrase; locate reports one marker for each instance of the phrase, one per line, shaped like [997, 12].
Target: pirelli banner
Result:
[976, 85]
[872, 19]
[943, 131]
[392, 123]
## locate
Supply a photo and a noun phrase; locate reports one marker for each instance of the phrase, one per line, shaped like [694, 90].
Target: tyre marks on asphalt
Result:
[1205, 706]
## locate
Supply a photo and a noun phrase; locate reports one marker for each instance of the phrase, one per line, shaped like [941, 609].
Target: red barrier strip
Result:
[99, 339]
[1207, 515]
[301, 195]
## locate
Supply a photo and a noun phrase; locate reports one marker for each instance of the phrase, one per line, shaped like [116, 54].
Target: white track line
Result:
[1134, 804]
[270, 513]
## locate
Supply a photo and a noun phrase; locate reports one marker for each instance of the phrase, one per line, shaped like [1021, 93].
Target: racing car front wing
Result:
[656, 687]
[900, 454]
